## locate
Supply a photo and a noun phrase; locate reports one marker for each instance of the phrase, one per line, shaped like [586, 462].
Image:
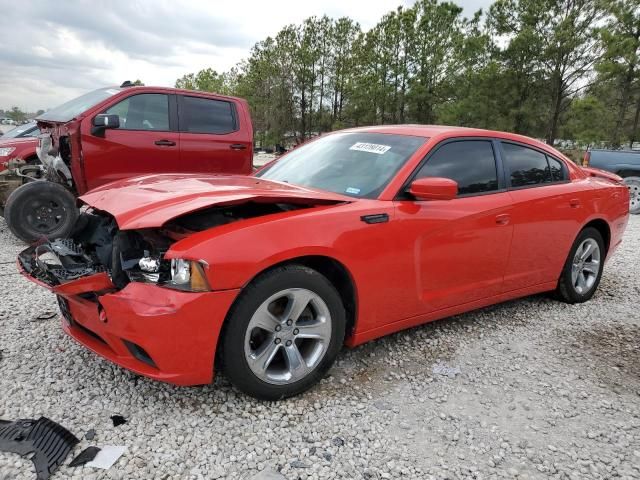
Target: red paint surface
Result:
[119, 153]
[25, 148]
[432, 259]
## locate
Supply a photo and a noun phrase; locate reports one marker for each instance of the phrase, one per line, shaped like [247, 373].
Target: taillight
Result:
[587, 157]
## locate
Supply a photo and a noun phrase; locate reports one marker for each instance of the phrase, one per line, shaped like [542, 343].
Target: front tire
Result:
[41, 209]
[283, 333]
[583, 269]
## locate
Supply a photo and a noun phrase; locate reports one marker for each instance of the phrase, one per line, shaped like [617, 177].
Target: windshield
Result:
[27, 130]
[75, 107]
[355, 164]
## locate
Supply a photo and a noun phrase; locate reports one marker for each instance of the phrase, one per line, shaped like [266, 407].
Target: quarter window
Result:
[147, 111]
[525, 166]
[471, 163]
[204, 115]
[557, 171]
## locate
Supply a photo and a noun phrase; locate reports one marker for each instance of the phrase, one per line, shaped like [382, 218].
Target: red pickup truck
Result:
[118, 132]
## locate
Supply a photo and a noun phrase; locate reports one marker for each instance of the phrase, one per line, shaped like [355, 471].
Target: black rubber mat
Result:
[49, 442]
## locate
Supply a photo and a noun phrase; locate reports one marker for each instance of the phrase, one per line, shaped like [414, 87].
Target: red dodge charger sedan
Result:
[350, 237]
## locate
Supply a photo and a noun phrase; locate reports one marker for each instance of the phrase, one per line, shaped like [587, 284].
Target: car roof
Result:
[605, 150]
[170, 90]
[445, 131]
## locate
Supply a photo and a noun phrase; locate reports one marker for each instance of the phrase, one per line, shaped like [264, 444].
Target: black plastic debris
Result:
[49, 442]
[85, 456]
[46, 315]
[118, 420]
[90, 435]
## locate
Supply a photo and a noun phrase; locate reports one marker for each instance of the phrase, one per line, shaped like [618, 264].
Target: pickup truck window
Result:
[204, 115]
[147, 111]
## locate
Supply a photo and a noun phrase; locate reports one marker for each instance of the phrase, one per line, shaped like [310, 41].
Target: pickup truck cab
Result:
[625, 164]
[119, 132]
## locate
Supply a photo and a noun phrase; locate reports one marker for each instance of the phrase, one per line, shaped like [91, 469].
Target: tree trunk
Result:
[636, 121]
[622, 108]
[556, 107]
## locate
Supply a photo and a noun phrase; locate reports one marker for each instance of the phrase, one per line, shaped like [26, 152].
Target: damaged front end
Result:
[100, 250]
[123, 292]
[13, 174]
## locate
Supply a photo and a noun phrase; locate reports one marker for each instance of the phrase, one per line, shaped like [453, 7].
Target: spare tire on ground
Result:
[41, 209]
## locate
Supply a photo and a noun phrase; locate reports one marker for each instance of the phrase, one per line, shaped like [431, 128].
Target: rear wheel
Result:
[633, 183]
[283, 333]
[583, 269]
[41, 209]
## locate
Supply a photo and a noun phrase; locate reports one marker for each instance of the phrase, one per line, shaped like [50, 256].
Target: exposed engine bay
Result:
[97, 245]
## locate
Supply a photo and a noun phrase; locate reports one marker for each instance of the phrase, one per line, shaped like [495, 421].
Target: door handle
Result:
[165, 143]
[503, 219]
[574, 202]
[238, 146]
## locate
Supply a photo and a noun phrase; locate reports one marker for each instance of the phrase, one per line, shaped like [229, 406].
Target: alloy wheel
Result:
[288, 336]
[586, 266]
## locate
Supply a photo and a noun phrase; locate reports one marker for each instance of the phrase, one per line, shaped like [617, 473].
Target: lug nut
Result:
[296, 331]
[278, 328]
[277, 341]
[288, 344]
[289, 322]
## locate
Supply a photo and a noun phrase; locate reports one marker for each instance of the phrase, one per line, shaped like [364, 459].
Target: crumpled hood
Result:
[151, 201]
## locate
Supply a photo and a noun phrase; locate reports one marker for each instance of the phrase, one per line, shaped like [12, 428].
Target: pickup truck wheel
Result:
[283, 333]
[41, 209]
[633, 183]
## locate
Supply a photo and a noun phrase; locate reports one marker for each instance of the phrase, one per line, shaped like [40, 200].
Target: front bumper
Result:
[157, 332]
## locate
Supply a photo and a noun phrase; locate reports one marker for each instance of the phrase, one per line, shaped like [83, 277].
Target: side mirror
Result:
[103, 122]
[106, 121]
[433, 188]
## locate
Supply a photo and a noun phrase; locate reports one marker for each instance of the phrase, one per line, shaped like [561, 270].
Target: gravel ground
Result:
[544, 390]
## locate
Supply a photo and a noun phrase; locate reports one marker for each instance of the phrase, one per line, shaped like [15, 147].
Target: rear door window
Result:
[206, 115]
[525, 167]
[147, 111]
[471, 163]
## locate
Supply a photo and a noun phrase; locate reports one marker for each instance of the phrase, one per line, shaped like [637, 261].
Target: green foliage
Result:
[208, 80]
[16, 114]
[544, 68]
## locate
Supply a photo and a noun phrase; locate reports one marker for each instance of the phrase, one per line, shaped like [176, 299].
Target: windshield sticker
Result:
[352, 190]
[370, 148]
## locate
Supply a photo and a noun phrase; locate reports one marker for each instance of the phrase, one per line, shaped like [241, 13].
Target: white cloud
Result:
[53, 51]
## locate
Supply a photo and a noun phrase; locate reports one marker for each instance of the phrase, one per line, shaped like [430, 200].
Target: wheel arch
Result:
[605, 230]
[335, 271]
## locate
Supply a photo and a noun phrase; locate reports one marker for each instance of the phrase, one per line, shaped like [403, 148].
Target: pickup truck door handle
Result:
[165, 143]
[574, 202]
[238, 146]
[503, 219]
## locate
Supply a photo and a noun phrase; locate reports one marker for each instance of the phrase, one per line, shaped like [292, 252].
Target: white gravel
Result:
[546, 390]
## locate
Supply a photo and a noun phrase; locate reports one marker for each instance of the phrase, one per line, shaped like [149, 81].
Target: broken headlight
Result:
[187, 275]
